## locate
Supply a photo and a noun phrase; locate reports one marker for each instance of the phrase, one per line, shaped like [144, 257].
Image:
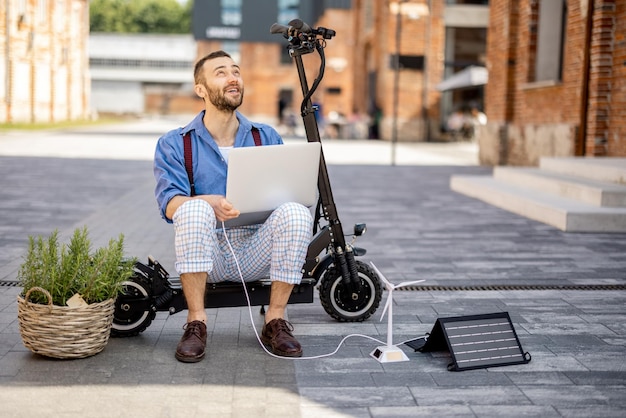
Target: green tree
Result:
[140, 16]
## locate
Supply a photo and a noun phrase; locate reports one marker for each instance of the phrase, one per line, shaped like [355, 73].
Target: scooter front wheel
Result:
[133, 313]
[345, 305]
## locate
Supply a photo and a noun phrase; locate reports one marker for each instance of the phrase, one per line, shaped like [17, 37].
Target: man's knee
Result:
[196, 212]
[295, 215]
[194, 224]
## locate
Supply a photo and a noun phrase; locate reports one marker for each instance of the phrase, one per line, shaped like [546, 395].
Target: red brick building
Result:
[435, 38]
[430, 40]
[412, 33]
[557, 80]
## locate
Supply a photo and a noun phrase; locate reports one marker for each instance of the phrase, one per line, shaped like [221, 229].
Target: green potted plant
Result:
[66, 310]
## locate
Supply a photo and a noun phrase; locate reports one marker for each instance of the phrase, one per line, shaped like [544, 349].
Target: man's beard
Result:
[222, 102]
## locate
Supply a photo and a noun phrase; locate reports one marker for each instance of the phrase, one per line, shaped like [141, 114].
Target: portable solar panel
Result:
[474, 341]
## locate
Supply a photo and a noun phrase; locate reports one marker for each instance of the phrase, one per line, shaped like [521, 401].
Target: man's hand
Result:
[223, 209]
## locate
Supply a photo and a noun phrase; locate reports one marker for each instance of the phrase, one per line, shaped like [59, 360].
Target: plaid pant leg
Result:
[195, 237]
[278, 246]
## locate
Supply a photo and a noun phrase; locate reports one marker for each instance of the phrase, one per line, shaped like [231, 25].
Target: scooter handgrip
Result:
[276, 28]
[300, 25]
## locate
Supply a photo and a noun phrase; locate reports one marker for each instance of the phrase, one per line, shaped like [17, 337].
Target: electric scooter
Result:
[349, 289]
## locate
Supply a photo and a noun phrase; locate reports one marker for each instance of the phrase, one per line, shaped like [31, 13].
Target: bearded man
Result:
[195, 203]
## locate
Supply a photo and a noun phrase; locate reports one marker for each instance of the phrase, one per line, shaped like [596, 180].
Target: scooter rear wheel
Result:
[345, 306]
[130, 319]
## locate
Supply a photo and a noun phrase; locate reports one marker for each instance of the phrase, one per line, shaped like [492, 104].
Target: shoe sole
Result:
[187, 359]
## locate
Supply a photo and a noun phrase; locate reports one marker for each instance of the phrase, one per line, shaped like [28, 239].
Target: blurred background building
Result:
[383, 67]
[44, 67]
[525, 79]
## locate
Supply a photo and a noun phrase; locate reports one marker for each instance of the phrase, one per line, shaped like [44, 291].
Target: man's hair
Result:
[198, 76]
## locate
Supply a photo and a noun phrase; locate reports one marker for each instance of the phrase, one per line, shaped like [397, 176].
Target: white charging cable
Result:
[245, 289]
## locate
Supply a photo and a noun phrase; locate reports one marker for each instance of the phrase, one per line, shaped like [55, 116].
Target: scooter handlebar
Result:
[294, 27]
[298, 29]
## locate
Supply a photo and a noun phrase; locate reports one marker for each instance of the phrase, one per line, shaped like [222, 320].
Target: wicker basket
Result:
[61, 331]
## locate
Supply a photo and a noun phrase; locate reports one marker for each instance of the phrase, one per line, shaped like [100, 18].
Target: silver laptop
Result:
[261, 178]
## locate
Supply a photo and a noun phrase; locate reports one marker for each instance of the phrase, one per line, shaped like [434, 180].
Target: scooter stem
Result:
[312, 134]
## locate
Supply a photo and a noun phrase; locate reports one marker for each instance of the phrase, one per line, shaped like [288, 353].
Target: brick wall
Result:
[582, 113]
[501, 58]
[616, 136]
[375, 45]
[600, 78]
[339, 51]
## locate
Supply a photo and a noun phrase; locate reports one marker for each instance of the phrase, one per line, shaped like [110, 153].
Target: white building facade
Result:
[44, 69]
[128, 68]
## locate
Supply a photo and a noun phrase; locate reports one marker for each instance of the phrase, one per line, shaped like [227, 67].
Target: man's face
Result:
[223, 84]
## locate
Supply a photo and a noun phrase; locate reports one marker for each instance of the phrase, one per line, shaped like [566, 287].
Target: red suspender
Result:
[189, 159]
[257, 136]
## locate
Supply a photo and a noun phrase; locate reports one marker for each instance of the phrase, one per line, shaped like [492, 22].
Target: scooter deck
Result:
[231, 294]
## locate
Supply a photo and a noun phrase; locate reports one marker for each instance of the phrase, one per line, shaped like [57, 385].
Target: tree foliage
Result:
[140, 16]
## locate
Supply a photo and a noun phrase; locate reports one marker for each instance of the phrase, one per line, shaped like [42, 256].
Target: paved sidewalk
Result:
[417, 229]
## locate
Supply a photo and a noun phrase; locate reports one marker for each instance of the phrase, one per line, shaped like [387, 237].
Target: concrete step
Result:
[593, 192]
[563, 213]
[610, 169]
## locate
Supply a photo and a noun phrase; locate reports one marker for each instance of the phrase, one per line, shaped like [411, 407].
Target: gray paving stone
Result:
[540, 378]
[417, 229]
[597, 411]
[515, 411]
[584, 395]
[472, 395]
[315, 411]
[480, 377]
[598, 378]
[422, 411]
[406, 378]
[349, 397]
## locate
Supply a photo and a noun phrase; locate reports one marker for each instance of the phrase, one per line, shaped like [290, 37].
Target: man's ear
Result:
[200, 90]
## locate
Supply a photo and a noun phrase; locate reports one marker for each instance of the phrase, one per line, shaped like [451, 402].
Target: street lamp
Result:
[396, 80]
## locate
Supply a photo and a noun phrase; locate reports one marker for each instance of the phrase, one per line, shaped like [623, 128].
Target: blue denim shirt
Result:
[209, 167]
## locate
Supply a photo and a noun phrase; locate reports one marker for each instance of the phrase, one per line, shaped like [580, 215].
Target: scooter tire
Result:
[127, 320]
[346, 307]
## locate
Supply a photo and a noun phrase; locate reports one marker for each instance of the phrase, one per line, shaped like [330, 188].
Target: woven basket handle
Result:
[42, 290]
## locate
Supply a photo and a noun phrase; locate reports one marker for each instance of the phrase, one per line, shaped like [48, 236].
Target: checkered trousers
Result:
[277, 247]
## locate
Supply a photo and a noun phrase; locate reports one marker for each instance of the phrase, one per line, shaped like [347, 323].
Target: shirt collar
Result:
[198, 125]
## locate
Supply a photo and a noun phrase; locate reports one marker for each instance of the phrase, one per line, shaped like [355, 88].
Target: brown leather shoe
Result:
[192, 345]
[277, 335]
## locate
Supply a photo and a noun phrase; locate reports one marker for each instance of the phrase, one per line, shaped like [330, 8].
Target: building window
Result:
[407, 62]
[233, 48]
[288, 10]
[483, 2]
[285, 58]
[138, 63]
[42, 11]
[368, 15]
[231, 12]
[550, 39]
